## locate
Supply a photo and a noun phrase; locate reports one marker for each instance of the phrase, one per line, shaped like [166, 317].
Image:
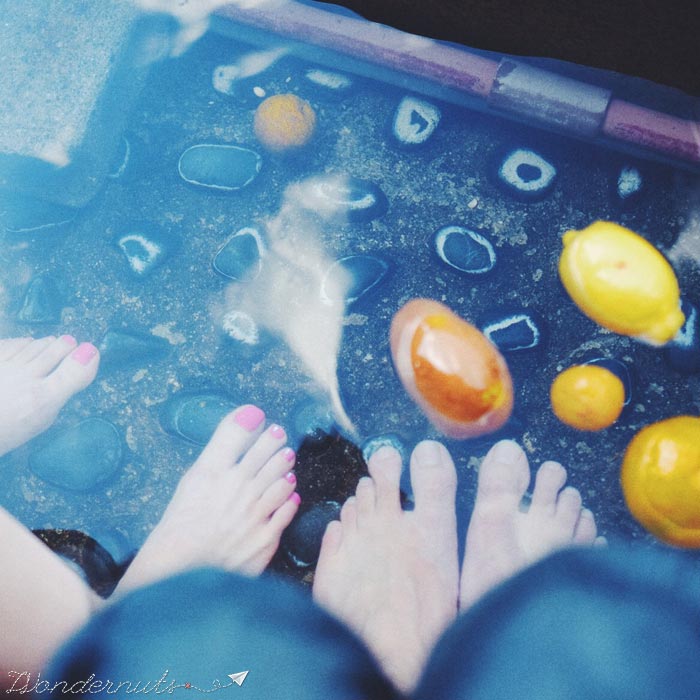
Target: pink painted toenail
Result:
[68, 339]
[277, 431]
[296, 498]
[84, 353]
[291, 477]
[289, 454]
[249, 417]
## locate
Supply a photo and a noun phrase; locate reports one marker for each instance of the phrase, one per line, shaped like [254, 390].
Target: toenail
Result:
[552, 467]
[506, 451]
[249, 417]
[84, 353]
[289, 454]
[296, 498]
[385, 454]
[68, 339]
[291, 477]
[277, 431]
[430, 452]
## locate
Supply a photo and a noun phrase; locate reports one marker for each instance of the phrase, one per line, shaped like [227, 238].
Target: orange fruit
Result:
[587, 397]
[284, 122]
[450, 369]
[661, 479]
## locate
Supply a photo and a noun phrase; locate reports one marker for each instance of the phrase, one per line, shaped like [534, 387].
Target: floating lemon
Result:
[622, 282]
[455, 375]
[284, 122]
[587, 397]
[661, 479]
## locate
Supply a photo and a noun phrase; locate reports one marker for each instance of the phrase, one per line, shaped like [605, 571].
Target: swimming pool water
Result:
[137, 267]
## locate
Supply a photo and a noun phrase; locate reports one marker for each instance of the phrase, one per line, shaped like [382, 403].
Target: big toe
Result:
[236, 433]
[433, 478]
[74, 373]
[504, 475]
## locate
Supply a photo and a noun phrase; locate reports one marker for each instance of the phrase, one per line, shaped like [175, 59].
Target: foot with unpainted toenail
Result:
[392, 575]
[504, 536]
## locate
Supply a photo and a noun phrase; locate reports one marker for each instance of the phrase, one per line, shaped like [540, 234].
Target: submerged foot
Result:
[230, 507]
[37, 377]
[390, 575]
[502, 538]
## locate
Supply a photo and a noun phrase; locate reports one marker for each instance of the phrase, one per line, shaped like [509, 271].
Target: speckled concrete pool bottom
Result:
[154, 403]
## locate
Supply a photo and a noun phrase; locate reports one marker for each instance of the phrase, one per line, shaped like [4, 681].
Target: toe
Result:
[281, 464]
[275, 496]
[33, 349]
[586, 530]
[433, 478]
[568, 510]
[385, 468]
[232, 437]
[550, 479]
[52, 355]
[258, 454]
[348, 514]
[366, 498]
[9, 347]
[284, 515]
[75, 372]
[504, 476]
[330, 544]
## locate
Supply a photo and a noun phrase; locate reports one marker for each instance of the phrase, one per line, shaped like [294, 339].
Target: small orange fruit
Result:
[587, 397]
[450, 369]
[661, 479]
[284, 122]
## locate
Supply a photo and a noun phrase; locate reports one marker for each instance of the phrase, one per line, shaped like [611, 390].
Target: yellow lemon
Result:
[661, 479]
[622, 282]
[283, 122]
[587, 397]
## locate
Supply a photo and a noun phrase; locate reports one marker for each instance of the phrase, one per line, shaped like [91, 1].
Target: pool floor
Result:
[182, 369]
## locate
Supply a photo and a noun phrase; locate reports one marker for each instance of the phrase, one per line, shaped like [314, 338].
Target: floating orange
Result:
[450, 369]
[661, 479]
[284, 122]
[587, 397]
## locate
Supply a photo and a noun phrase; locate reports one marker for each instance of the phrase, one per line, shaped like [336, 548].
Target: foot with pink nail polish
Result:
[503, 537]
[391, 575]
[230, 507]
[37, 377]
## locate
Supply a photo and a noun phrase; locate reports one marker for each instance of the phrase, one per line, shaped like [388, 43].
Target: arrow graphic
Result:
[238, 678]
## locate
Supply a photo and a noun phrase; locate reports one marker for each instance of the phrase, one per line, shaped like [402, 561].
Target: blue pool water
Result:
[464, 207]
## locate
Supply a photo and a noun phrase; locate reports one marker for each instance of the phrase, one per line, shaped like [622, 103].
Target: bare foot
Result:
[230, 507]
[37, 377]
[502, 537]
[390, 575]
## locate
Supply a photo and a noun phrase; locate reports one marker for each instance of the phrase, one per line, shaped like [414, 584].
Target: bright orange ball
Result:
[661, 479]
[587, 397]
[284, 122]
